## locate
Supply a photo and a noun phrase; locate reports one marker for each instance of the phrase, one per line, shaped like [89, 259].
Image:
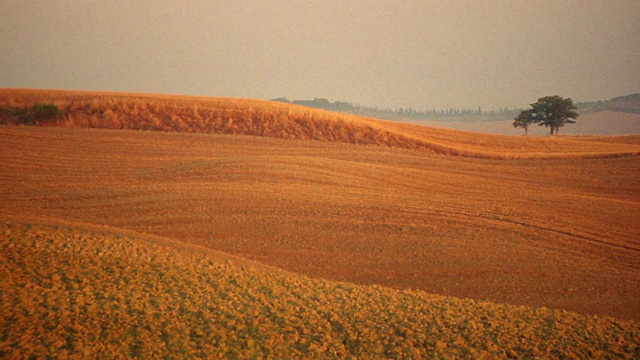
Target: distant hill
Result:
[628, 104]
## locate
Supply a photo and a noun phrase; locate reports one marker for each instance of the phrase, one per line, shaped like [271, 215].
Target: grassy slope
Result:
[92, 292]
[274, 119]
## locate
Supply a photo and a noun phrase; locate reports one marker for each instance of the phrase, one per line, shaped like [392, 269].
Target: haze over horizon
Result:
[419, 54]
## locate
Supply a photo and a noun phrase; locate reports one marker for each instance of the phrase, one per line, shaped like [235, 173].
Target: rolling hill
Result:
[288, 121]
[626, 104]
[284, 210]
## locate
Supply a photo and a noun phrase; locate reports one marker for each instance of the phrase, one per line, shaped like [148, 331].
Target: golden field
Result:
[234, 189]
[286, 121]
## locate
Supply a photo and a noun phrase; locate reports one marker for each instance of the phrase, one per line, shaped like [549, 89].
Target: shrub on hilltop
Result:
[39, 114]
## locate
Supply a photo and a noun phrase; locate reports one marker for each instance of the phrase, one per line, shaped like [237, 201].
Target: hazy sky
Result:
[420, 53]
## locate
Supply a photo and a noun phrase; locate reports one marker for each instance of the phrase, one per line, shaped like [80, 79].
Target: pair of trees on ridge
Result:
[549, 111]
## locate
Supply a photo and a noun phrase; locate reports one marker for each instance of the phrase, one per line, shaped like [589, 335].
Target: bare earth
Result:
[561, 233]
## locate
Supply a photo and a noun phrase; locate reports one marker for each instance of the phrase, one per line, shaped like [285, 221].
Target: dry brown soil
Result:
[561, 233]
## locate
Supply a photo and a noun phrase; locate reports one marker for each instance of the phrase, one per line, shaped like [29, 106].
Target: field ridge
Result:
[289, 121]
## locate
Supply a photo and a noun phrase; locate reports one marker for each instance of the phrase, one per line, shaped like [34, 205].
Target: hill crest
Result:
[290, 121]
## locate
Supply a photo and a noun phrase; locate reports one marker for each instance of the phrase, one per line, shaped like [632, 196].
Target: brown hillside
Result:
[560, 233]
[287, 121]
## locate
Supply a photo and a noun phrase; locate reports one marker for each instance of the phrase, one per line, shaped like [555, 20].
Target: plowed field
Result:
[543, 222]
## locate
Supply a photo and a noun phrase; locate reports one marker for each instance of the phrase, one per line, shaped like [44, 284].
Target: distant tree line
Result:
[629, 103]
[403, 113]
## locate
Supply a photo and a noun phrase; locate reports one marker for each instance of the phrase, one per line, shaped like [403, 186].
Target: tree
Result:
[523, 120]
[553, 112]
